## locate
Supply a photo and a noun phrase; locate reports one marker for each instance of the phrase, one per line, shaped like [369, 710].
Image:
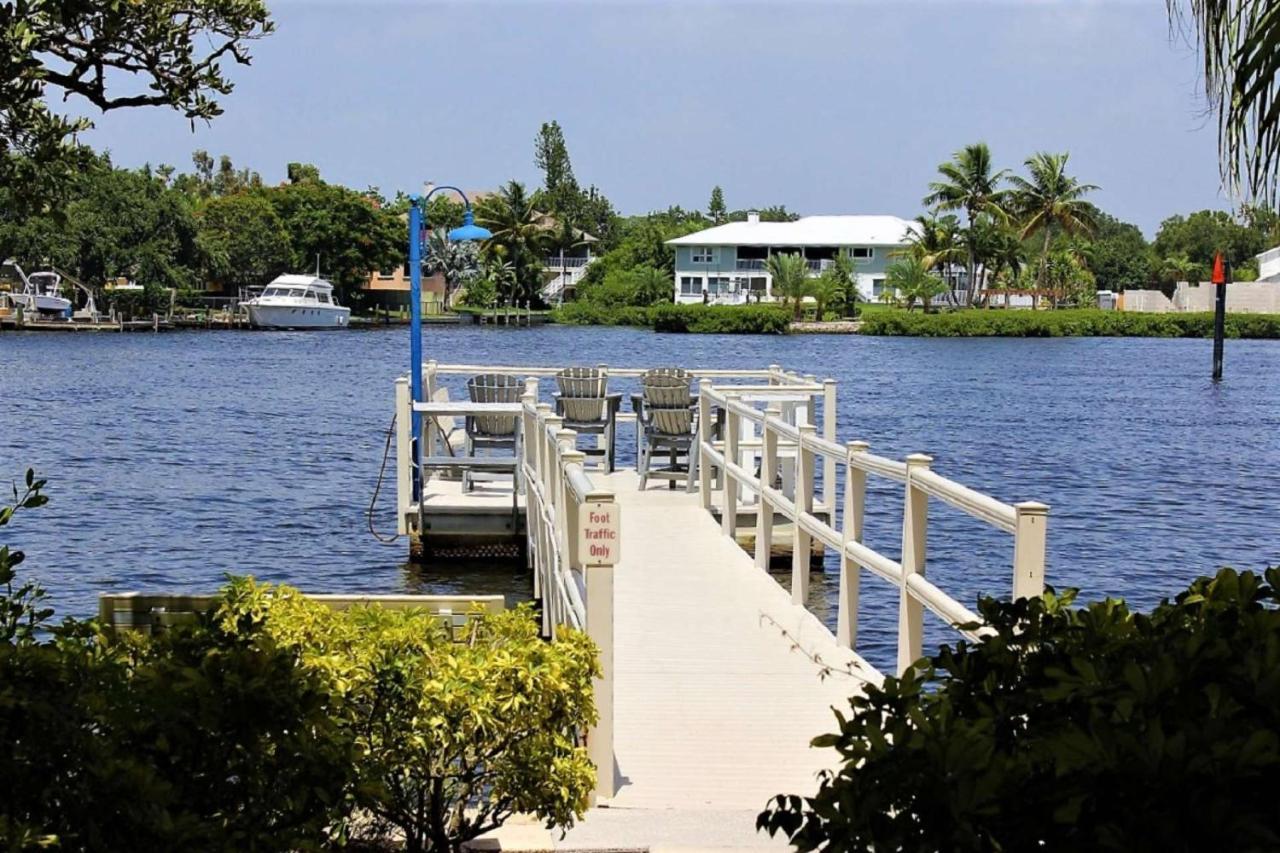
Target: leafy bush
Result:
[1066, 323]
[190, 740]
[757, 319]
[451, 737]
[277, 724]
[636, 286]
[594, 314]
[1071, 729]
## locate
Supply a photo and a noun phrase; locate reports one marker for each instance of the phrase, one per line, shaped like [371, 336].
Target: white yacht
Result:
[38, 293]
[297, 302]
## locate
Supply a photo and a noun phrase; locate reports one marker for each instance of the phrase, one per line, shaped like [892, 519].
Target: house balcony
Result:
[555, 262]
[761, 265]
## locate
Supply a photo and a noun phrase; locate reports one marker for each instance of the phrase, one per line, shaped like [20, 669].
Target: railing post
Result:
[1029, 549]
[404, 455]
[774, 370]
[704, 435]
[811, 408]
[915, 521]
[829, 432]
[802, 542]
[855, 502]
[729, 513]
[599, 604]
[764, 509]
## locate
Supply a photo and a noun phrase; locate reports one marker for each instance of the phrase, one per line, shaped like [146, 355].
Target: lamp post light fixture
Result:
[418, 226]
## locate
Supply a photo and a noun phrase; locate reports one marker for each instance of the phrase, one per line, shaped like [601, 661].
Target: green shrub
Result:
[277, 724]
[1089, 728]
[451, 737]
[595, 314]
[722, 319]
[1065, 323]
[192, 740]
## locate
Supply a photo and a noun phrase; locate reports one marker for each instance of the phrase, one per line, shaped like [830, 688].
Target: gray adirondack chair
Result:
[490, 433]
[667, 427]
[587, 407]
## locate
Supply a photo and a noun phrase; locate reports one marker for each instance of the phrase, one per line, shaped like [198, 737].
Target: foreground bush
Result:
[451, 738]
[1071, 729]
[1065, 323]
[277, 724]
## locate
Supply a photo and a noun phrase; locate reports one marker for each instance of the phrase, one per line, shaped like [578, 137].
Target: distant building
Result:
[1269, 265]
[728, 264]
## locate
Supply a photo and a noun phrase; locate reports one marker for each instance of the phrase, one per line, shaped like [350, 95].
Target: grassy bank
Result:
[700, 319]
[1078, 322]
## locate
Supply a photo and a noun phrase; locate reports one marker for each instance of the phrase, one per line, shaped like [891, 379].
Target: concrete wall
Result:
[1244, 297]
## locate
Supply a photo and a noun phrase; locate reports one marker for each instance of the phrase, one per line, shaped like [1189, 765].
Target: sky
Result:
[824, 107]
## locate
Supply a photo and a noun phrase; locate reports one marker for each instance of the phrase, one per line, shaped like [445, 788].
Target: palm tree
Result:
[1051, 199]
[1239, 42]
[790, 276]
[456, 262]
[935, 241]
[912, 280]
[1176, 268]
[969, 183]
[521, 229]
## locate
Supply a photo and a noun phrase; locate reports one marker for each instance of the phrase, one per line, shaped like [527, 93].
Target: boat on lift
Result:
[297, 302]
[38, 294]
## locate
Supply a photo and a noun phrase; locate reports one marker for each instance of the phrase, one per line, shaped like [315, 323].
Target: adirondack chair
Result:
[588, 408]
[491, 432]
[667, 427]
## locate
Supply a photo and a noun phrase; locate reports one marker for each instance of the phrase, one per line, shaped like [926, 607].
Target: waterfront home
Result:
[728, 264]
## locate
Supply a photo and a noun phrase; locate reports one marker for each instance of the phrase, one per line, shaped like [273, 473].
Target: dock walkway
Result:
[712, 683]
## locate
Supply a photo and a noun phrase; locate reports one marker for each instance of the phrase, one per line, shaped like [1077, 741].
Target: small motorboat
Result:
[297, 302]
[38, 294]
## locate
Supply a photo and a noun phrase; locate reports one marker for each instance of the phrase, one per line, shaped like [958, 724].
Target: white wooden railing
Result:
[802, 443]
[572, 573]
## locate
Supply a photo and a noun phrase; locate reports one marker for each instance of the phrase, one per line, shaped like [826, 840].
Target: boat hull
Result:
[291, 317]
[43, 304]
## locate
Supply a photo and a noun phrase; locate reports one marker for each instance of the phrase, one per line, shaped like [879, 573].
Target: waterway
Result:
[174, 459]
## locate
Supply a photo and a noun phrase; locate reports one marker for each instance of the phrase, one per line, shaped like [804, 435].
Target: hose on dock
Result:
[386, 453]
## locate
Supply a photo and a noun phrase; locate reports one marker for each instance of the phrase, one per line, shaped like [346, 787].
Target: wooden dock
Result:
[715, 676]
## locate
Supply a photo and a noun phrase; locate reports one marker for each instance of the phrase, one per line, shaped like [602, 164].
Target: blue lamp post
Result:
[417, 245]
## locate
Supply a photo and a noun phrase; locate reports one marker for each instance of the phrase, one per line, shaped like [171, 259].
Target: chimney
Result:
[753, 217]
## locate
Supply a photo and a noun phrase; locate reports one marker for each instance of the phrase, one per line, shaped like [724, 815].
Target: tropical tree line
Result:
[995, 230]
[216, 228]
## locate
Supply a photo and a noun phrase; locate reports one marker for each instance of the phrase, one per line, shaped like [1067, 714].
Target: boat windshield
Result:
[282, 291]
[44, 281]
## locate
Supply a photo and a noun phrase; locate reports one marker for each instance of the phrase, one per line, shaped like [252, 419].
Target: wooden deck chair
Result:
[667, 426]
[491, 432]
[588, 409]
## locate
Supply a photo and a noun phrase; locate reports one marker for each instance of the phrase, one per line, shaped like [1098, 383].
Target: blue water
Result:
[175, 458]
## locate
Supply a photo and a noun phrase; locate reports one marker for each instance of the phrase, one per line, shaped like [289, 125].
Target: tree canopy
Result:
[113, 55]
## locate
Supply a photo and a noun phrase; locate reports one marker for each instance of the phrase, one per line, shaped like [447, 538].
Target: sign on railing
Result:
[598, 533]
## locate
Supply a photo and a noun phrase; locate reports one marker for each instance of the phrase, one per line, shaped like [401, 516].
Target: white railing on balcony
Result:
[1025, 521]
[555, 262]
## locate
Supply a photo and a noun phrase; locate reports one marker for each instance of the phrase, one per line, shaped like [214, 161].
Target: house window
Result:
[719, 284]
[704, 255]
[386, 274]
[690, 285]
[758, 284]
[862, 253]
[877, 286]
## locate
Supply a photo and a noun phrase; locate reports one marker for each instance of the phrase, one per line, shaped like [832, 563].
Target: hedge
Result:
[666, 317]
[1082, 322]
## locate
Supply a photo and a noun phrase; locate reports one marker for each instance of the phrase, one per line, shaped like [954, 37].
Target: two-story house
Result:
[728, 264]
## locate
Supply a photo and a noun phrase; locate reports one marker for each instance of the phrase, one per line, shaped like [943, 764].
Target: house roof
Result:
[806, 231]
